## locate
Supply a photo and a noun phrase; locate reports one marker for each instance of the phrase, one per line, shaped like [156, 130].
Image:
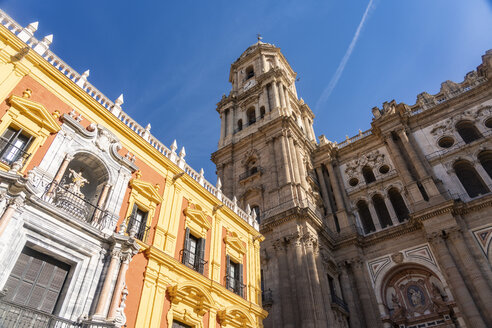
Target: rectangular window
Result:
[138, 222]
[13, 145]
[234, 277]
[193, 253]
[36, 281]
[177, 324]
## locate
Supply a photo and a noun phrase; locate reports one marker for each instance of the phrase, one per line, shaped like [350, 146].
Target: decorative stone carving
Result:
[372, 159]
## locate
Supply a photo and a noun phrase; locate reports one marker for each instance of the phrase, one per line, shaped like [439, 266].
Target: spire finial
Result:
[259, 37]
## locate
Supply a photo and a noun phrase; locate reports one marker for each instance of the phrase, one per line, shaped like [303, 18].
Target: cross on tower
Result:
[259, 37]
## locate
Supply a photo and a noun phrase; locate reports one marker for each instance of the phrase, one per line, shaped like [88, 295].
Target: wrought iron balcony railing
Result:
[76, 206]
[235, 285]
[10, 153]
[14, 315]
[251, 172]
[198, 264]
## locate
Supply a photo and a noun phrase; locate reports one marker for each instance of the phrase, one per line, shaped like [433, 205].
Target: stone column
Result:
[294, 163]
[282, 95]
[283, 157]
[324, 191]
[429, 184]
[276, 101]
[391, 210]
[284, 283]
[287, 100]
[306, 302]
[101, 201]
[14, 204]
[309, 244]
[325, 288]
[363, 290]
[374, 215]
[222, 126]
[472, 272]
[301, 167]
[263, 64]
[455, 280]
[335, 186]
[404, 173]
[267, 101]
[120, 284]
[348, 296]
[103, 297]
[307, 127]
[59, 174]
[230, 121]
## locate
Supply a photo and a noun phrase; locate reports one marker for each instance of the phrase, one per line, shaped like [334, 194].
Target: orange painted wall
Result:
[165, 309]
[181, 230]
[134, 281]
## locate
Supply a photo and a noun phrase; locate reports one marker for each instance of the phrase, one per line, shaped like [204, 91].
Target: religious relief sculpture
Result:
[413, 297]
[70, 198]
[78, 181]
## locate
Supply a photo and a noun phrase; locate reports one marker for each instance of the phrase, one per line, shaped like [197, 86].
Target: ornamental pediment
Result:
[235, 246]
[34, 111]
[197, 220]
[146, 189]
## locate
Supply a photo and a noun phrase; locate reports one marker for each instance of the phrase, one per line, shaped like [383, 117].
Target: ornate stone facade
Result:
[390, 228]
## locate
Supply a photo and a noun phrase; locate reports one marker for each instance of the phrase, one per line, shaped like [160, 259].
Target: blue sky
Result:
[171, 59]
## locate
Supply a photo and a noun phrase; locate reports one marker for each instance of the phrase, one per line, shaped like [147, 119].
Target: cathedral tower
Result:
[264, 160]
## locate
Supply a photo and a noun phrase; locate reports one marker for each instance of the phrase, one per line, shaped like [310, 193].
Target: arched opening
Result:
[469, 178]
[381, 210]
[384, 169]
[485, 159]
[251, 115]
[414, 295]
[488, 122]
[83, 189]
[239, 125]
[250, 72]
[262, 111]
[446, 142]
[365, 217]
[398, 204]
[368, 174]
[468, 131]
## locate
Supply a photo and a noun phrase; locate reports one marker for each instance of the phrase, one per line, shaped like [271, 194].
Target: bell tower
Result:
[264, 160]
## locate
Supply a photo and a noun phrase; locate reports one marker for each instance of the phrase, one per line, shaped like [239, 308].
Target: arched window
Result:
[470, 179]
[251, 115]
[368, 174]
[485, 159]
[398, 204]
[468, 131]
[381, 210]
[262, 111]
[365, 216]
[250, 72]
[239, 125]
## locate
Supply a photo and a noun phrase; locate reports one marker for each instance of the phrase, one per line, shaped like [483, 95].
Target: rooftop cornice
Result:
[39, 53]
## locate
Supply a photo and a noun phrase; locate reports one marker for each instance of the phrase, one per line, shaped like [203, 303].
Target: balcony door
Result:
[36, 281]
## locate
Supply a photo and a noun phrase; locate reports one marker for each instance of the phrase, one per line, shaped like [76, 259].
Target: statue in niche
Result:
[398, 310]
[78, 181]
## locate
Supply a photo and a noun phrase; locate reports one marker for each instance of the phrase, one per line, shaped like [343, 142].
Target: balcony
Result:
[76, 205]
[257, 170]
[198, 264]
[19, 316]
[235, 285]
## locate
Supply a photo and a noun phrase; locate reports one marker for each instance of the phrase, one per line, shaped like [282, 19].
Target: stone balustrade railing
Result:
[114, 107]
[348, 141]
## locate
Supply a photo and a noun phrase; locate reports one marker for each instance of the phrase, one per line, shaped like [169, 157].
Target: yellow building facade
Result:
[173, 251]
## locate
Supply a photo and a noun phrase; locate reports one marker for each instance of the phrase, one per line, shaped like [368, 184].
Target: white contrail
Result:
[334, 80]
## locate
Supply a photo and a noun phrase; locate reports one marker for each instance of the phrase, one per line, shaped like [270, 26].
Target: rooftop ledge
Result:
[42, 48]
